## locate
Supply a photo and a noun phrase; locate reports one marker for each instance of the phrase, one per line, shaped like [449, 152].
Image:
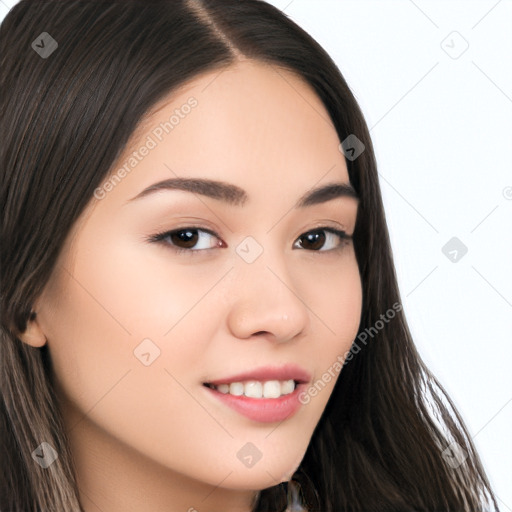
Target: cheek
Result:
[336, 304]
[124, 332]
[334, 295]
[102, 306]
[129, 289]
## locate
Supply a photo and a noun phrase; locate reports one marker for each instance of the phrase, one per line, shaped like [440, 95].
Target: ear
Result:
[33, 335]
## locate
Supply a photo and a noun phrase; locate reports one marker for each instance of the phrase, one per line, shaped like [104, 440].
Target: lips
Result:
[266, 373]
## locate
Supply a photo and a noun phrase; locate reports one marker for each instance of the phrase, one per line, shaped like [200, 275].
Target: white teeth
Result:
[287, 387]
[253, 389]
[223, 388]
[256, 389]
[272, 389]
[236, 388]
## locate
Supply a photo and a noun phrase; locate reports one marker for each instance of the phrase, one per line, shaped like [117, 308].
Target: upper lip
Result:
[266, 373]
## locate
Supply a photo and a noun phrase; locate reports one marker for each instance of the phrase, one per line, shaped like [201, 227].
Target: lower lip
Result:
[264, 410]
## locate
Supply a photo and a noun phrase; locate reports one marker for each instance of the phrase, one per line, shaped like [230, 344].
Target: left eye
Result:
[192, 239]
[317, 239]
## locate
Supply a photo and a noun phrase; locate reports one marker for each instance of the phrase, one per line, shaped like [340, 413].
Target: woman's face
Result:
[135, 329]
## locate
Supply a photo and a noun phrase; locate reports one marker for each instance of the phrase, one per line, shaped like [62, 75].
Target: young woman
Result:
[199, 307]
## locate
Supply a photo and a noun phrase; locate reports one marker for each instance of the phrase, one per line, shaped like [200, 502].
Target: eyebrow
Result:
[236, 196]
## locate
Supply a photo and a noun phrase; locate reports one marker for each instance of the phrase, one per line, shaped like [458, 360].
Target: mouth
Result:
[265, 394]
[263, 382]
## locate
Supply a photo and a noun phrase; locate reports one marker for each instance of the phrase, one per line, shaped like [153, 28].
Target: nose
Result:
[266, 304]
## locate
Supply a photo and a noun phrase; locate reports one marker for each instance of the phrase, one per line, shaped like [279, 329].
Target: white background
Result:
[442, 131]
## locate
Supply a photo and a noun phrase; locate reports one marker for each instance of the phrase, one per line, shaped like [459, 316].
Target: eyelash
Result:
[160, 238]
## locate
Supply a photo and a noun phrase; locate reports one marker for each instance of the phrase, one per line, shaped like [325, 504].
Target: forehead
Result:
[253, 125]
[251, 122]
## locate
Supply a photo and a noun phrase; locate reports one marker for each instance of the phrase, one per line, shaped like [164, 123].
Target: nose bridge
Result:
[266, 299]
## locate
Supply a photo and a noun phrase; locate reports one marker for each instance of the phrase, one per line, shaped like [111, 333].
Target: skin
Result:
[152, 438]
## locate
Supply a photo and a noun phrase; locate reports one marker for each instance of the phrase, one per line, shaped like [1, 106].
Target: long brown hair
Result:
[65, 118]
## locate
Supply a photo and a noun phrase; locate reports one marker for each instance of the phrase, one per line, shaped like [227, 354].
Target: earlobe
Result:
[33, 334]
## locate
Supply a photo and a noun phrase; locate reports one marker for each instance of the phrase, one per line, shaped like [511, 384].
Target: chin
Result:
[263, 477]
[256, 479]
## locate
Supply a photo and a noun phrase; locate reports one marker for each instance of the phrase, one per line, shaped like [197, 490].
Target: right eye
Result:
[188, 239]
